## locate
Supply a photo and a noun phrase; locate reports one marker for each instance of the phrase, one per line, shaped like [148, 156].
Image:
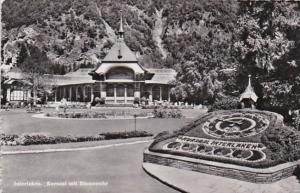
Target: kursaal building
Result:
[119, 78]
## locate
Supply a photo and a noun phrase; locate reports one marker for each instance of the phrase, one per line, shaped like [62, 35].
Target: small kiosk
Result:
[248, 97]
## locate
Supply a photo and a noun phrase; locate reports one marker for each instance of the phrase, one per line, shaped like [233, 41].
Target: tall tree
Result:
[34, 66]
[267, 47]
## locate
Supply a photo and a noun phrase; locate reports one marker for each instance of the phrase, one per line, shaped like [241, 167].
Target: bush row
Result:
[164, 113]
[282, 143]
[39, 139]
[93, 114]
[77, 115]
[165, 107]
[225, 104]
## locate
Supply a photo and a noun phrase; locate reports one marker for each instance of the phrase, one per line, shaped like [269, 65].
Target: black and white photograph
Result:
[149, 96]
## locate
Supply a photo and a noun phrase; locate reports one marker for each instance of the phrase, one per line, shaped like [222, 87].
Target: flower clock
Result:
[235, 125]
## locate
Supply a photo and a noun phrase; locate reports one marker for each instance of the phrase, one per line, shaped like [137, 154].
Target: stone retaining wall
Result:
[241, 173]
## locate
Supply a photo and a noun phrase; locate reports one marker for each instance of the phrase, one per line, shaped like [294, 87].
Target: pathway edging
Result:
[148, 171]
[73, 149]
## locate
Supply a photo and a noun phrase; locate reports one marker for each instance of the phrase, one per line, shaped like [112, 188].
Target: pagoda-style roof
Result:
[13, 81]
[161, 76]
[79, 76]
[120, 53]
[249, 92]
[119, 56]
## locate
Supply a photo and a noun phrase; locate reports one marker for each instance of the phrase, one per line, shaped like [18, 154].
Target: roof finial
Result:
[249, 82]
[121, 31]
[249, 92]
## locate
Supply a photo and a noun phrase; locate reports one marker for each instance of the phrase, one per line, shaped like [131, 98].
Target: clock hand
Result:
[233, 122]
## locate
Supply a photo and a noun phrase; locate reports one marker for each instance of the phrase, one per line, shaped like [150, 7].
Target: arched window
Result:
[120, 73]
[130, 91]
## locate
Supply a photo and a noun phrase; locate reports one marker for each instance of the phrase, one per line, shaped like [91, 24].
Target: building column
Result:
[160, 93]
[137, 92]
[150, 94]
[76, 93]
[115, 93]
[102, 90]
[125, 97]
[92, 93]
[28, 94]
[64, 93]
[46, 97]
[8, 94]
[55, 95]
[70, 93]
[169, 94]
[83, 93]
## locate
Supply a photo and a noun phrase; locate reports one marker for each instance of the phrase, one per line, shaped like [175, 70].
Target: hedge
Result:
[39, 139]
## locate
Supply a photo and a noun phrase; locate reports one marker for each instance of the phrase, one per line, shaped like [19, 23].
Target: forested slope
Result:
[213, 45]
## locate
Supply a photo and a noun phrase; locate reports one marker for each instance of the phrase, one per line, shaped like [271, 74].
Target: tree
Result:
[262, 33]
[266, 48]
[34, 66]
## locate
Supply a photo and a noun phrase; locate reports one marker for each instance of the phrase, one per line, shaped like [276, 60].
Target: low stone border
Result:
[255, 175]
[145, 168]
[43, 116]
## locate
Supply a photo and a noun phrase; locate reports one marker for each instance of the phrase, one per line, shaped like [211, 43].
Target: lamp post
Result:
[135, 115]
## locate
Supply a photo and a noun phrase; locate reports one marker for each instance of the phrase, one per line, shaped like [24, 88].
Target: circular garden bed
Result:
[96, 115]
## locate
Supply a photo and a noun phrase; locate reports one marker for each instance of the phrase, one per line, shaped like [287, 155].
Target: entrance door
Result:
[156, 93]
[120, 94]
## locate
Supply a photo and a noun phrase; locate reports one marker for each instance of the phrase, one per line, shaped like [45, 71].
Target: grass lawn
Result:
[119, 166]
[19, 122]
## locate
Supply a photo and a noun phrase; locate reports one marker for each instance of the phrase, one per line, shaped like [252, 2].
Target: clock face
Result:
[235, 125]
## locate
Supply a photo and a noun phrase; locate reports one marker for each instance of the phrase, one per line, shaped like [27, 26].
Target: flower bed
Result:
[266, 143]
[39, 139]
[166, 107]
[95, 115]
[167, 113]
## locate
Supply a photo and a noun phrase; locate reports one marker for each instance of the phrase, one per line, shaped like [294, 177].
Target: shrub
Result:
[136, 100]
[283, 143]
[296, 122]
[125, 134]
[143, 100]
[225, 104]
[166, 113]
[38, 139]
[102, 101]
[97, 99]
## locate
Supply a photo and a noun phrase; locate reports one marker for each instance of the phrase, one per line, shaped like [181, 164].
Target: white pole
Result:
[0, 54]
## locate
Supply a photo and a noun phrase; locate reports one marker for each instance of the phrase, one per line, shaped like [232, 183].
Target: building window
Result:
[109, 91]
[120, 73]
[156, 93]
[18, 95]
[88, 94]
[120, 91]
[165, 93]
[130, 91]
